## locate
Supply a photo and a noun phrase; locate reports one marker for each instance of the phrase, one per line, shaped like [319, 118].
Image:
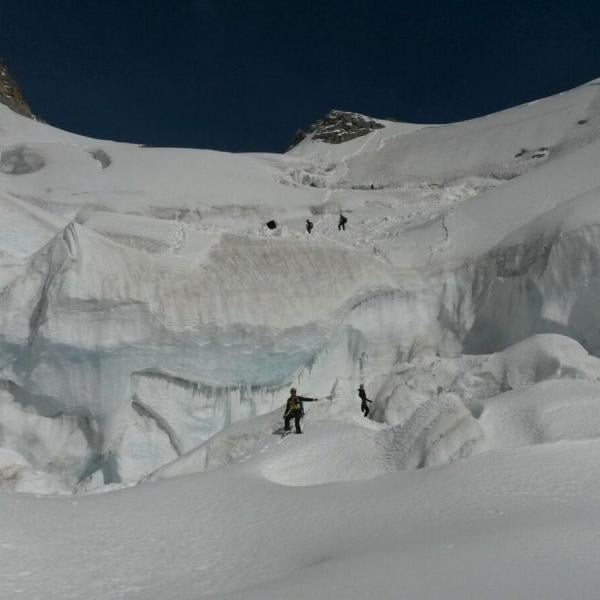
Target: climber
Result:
[309, 225]
[294, 409]
[342, 223]
[272, 224]
[363, 396]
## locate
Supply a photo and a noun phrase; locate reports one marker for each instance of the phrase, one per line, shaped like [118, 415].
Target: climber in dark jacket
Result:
[309, 225]
[363, 397]
[294, 409]
[342, 222]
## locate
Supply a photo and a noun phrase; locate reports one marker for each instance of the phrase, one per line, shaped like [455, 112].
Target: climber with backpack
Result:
[294, 409]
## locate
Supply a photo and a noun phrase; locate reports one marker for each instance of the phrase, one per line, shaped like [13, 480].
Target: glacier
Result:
[151, 327]
[140, 315]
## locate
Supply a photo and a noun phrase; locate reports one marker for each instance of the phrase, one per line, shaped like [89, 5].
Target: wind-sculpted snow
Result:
[439, 431]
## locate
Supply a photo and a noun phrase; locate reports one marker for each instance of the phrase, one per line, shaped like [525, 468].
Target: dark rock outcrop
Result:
[338, 127]
[10, 94]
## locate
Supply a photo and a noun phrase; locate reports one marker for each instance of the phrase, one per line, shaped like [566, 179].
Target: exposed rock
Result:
[10, 94]
[338, 127]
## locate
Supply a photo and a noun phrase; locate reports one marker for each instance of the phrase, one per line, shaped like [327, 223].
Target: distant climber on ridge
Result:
[294, 409]
[272, 224]
[363, 396]
[342, 223]
[309, 225]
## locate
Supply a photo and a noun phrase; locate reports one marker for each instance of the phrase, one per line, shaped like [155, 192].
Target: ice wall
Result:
[155, 355]
[141, 358]
[135, 363]
[549, 284]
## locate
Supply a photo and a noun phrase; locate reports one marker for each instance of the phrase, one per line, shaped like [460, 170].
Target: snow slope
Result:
[151, 326]
[518, 523]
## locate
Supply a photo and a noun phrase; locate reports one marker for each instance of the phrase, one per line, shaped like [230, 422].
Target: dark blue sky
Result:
[245, 74]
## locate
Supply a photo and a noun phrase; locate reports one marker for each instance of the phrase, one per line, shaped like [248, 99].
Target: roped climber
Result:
[294, 409]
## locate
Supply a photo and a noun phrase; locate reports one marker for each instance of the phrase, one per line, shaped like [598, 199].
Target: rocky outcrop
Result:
[10, 94]
[338, 127]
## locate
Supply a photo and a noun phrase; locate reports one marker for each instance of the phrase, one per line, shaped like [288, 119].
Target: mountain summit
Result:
[337, 127]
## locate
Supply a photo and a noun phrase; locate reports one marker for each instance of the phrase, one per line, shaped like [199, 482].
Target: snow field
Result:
[231, 531]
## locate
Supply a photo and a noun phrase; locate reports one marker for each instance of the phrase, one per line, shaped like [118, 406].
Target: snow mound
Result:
[333, 450]
[548, 412]
[324, 453]
[438, 433]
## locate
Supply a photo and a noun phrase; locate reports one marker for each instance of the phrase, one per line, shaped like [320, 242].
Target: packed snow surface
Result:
[151, 326]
